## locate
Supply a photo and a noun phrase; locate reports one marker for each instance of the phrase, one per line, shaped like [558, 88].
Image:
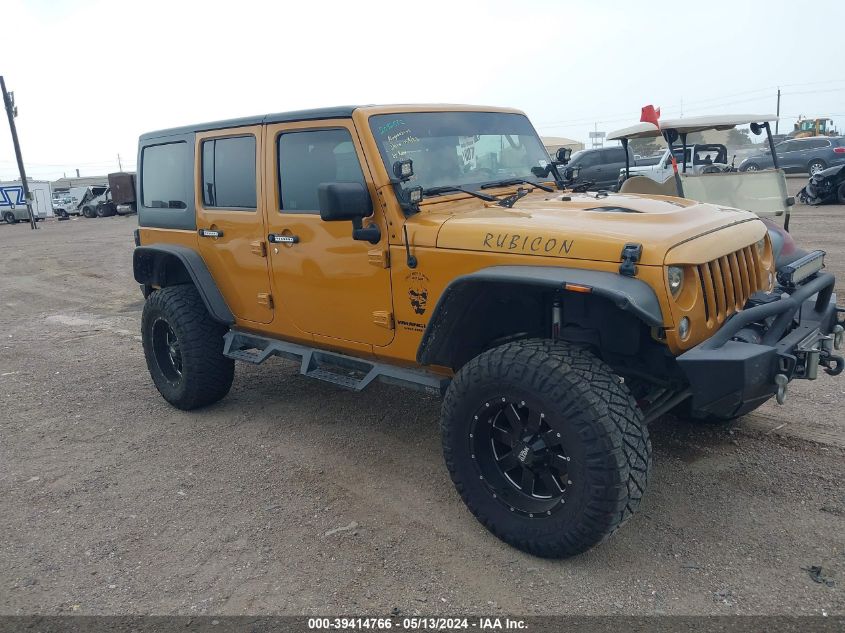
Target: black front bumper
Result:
[763, 347]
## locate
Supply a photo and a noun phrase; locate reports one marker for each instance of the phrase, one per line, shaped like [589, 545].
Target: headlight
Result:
[675, 276]
[761, 247]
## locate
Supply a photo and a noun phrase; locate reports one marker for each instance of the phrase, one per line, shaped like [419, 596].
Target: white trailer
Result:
[13, 203]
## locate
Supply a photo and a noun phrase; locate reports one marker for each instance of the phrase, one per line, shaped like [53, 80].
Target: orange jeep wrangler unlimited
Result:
[441, 247]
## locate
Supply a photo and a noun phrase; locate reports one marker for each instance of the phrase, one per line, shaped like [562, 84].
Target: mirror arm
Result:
[371, 233]
[559, 182]
[771, 144]
[627, 159]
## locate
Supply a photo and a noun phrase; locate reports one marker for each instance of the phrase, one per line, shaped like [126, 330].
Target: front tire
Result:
[183, 347]
[546, 446]
[840, 194]
[751, 167]
[10, 218]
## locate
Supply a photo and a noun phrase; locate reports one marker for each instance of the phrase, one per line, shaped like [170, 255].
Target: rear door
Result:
[230, 220]
[614, 161]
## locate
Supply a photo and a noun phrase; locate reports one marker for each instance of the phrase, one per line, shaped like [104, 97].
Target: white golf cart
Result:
[762, 192]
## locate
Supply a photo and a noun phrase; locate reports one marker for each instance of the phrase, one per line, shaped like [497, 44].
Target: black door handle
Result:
[210, 233]
[278, 238]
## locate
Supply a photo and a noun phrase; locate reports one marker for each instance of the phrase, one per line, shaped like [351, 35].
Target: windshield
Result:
[462, 149]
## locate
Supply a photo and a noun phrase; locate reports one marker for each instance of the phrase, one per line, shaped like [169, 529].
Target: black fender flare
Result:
[626, 293]
[170, 264]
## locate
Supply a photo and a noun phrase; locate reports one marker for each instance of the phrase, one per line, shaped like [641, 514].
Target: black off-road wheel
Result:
[183, 346]
[10, 218]
[546, 446]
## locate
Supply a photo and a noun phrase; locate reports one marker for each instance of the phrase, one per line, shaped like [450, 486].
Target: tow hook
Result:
[781, 381]
[833, 364]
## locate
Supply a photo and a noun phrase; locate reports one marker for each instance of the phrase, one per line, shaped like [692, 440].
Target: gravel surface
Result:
[293, 496]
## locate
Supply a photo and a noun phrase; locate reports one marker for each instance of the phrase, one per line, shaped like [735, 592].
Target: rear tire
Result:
[840, 194]
[558, 412]
[816, 166]
[751, 167]
[10, 218]
[183, 347]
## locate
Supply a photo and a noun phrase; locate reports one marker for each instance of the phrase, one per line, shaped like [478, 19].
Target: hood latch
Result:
[631, 254]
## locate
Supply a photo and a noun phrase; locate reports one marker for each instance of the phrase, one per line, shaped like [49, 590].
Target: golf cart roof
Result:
[689, 125]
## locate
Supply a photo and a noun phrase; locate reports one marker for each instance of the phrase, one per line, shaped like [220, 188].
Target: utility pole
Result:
[778, 113]
[12, 112]
[119, 164]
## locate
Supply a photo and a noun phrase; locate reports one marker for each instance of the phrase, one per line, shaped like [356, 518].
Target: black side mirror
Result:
[671, 135]
[756, 129]
[345, 201]
[562, 155]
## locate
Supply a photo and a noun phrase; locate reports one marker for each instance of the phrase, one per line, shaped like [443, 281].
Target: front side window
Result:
[312, 157]
[461, 148]
[592, 159]
[228, 172]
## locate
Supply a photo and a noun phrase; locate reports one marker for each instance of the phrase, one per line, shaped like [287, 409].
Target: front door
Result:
[328, 285]
[230, 219]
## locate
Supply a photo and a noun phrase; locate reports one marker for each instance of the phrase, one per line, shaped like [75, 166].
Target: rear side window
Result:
[228, 172]
[616, 155]
[164, 176]
[816, 143]
[309, 158]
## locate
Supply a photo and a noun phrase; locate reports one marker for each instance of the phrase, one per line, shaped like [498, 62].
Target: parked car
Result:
[827, 185]
[600, 166]
[700, 159]
[798, 155]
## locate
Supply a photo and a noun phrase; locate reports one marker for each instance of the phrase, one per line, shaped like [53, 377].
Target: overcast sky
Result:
[89, 76]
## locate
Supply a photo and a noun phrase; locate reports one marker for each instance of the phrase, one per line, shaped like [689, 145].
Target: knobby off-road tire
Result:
[571, 423]
[183, 346]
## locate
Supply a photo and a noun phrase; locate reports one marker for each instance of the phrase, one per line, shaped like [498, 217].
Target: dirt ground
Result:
[112, 502]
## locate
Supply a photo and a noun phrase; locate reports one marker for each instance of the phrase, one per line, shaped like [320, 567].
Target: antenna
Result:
[412, 260]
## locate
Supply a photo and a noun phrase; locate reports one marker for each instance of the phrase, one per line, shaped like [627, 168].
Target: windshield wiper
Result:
[433, 191]
[515, 181]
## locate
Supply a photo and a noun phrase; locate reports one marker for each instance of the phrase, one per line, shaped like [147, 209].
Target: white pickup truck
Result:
[700, 159]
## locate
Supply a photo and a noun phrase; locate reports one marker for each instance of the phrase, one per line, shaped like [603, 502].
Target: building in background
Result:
[65, 184]
[554, 143]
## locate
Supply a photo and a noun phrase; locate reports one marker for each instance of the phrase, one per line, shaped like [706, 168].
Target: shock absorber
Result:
[556, 318]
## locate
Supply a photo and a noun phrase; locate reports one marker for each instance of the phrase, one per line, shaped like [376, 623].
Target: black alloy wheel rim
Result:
[167, 351]
[520, 456]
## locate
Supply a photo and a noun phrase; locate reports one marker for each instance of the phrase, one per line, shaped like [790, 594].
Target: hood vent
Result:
[612, 209]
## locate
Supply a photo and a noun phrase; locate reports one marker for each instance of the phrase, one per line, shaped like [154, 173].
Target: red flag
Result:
[650, 114]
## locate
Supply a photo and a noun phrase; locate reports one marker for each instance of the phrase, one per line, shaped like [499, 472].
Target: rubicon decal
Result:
[527, 243]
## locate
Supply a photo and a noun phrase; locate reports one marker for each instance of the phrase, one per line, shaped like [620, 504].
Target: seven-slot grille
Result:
[728, 281]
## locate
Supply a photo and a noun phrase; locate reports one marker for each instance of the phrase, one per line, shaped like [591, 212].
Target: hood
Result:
[583, 226]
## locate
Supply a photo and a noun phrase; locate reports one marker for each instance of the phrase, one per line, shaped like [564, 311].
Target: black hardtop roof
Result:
[337, 112]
